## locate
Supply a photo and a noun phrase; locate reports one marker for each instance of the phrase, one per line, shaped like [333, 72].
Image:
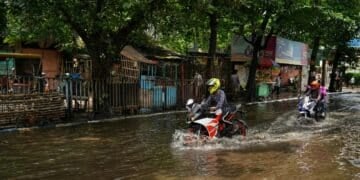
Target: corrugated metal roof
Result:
[129, 52]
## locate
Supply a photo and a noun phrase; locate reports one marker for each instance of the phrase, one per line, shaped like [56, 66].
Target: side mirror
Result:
[238, 106]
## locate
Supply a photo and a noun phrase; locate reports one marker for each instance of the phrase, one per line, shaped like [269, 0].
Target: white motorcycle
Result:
[308, 109]
[206, 124]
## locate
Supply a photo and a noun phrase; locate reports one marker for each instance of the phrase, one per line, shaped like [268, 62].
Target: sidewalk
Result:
[353, 90]
[283, 96]
[291, 96]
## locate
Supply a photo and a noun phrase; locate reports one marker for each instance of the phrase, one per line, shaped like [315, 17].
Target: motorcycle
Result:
[308, 109]
[205, 125]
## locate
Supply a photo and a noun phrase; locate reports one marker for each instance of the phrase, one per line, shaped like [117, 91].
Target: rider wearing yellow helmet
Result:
[213, 85]
[217, 96]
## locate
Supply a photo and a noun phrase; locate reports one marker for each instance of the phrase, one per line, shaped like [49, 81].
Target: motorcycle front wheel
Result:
[198, 130]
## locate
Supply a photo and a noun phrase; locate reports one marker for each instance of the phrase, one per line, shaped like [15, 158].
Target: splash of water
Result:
[285, 128]
[181, 142]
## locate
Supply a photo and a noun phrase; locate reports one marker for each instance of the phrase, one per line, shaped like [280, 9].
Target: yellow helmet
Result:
[213, 85]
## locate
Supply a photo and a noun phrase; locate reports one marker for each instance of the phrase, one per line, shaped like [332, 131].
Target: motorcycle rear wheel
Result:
[242, 127]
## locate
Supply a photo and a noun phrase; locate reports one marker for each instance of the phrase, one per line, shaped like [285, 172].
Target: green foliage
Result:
[104, 26]
[177, 24]
[332, 20]
[2, 20]
[185, 23]
[29, 22]
[348, 76]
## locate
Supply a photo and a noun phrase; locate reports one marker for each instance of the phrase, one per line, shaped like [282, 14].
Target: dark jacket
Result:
[218, 100]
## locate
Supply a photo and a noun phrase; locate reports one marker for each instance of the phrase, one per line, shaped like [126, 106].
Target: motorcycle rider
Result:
[316, 92]
[217, 101]
[220, 122]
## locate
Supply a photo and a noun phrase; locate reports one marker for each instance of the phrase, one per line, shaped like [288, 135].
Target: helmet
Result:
[213, 85]
[315, 85]
[189, 104]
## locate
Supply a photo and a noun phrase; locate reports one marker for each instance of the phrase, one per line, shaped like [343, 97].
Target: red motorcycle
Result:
[206, 125]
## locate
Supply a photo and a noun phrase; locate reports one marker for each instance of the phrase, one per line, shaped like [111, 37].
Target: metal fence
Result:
[188, 89]
[130, 96]
[119, 96]
[112, 95]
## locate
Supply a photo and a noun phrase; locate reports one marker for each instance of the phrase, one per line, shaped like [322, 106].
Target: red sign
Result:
[267, 56]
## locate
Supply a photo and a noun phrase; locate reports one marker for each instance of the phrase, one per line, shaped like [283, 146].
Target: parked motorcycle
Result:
[205, 125]
[308, 109]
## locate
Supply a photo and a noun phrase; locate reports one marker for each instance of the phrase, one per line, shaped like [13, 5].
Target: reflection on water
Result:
[150, 148]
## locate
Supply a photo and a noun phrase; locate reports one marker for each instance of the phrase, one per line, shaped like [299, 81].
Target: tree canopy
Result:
[106, 26]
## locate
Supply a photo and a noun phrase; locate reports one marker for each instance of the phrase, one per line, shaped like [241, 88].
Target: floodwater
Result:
[150, 148]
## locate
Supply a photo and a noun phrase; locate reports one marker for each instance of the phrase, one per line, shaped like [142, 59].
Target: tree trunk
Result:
[334, 68]
[323, 72]
[251, 84]
[212, 45]
[257, 37]
[315, 49]
[101, 61]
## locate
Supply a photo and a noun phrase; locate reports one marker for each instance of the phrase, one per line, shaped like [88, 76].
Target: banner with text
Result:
[291, 52]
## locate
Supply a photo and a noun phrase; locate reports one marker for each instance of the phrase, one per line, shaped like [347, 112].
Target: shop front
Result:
[267, 70]
[293, 59]
[281, 57]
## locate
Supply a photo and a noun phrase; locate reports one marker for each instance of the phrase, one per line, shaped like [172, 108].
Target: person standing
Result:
[198, 83]
[352, 82]
[235, 83]
[337, 80]
[277, 85]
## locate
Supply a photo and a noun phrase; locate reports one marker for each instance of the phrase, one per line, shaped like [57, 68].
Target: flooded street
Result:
[148, 148]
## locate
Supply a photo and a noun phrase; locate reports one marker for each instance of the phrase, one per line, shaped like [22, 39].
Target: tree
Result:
[343, 19]
[104, 26]
[195, 23]
[262, 20]
[307, 24]
[31, 23]
[329, 23]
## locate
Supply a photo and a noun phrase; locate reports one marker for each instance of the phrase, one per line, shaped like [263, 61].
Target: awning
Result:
[19, 55]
